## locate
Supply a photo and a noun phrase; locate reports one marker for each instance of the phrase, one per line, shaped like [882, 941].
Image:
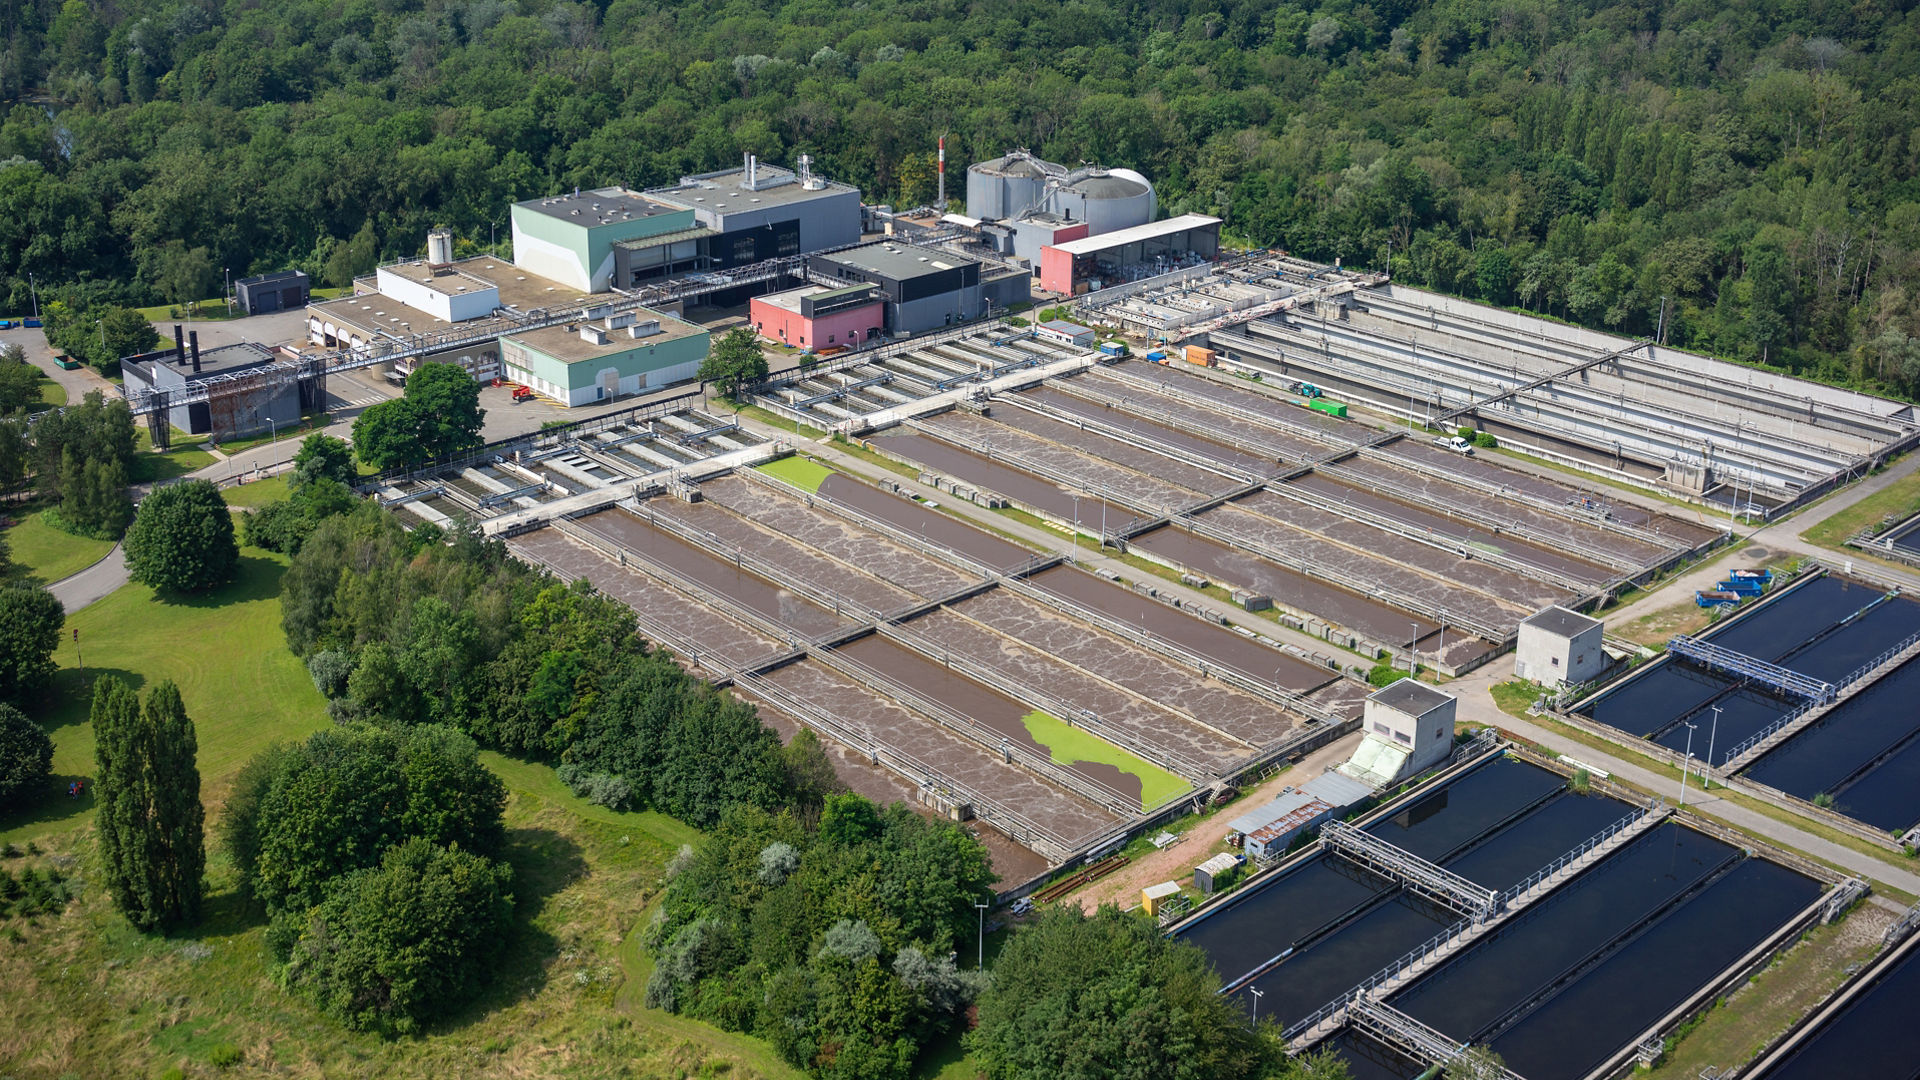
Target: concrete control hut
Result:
[1409, 729]
[1558, 647]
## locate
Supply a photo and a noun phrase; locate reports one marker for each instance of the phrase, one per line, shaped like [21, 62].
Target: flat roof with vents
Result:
[897, 261]
[604, 206]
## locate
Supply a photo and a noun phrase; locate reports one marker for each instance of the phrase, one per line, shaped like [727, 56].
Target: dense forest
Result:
[1748, 166]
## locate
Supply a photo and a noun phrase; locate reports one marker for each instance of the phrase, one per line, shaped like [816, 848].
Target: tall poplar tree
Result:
[151, 820]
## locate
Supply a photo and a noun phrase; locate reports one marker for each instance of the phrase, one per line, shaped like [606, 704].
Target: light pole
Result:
[34, 287]
[272, 427]
[1412, 644]
[1257, 995]
[226, 287]
[980, 962]
[1713, 734]
[1685, 765]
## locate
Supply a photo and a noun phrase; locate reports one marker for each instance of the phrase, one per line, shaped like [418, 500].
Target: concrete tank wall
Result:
[1106, 201]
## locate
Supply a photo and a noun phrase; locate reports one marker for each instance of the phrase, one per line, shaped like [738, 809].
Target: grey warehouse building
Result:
[925, 288]
[284, 291]
[234, 413]
[751, 214]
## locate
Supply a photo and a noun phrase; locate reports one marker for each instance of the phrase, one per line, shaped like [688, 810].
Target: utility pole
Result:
[34, 287]
[1257, 995]
[1685, 765]
[1712, 736]
[980, 962]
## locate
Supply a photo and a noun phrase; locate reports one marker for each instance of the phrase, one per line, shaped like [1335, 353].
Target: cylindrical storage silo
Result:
[1105, 201]
[1007, 186]
[439, 247]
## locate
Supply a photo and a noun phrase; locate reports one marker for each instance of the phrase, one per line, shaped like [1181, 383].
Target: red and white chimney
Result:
[943, 173]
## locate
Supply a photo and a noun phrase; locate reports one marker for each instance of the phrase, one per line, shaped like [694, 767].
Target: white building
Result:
[1558, 647]
[1409, 729]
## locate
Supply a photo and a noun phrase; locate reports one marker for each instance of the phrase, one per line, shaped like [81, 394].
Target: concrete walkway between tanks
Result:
[1058, 542]
[1477, 707]
[1476, 703]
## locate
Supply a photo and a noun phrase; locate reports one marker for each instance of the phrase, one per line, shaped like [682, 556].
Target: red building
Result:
[814, 317]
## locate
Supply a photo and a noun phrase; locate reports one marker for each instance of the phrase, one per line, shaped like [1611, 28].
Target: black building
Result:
[284, 291]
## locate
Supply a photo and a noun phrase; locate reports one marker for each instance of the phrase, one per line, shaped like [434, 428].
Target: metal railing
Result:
[1596, 840]
[1404, 1033]
[987, 675]
[1410, 870]
[1392, 971]
[997, 742]
[1786, 680]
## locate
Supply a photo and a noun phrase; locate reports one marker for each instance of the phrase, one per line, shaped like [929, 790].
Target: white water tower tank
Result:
[439, 247]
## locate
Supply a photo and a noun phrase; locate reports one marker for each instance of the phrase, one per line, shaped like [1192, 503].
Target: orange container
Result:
[1198, 355]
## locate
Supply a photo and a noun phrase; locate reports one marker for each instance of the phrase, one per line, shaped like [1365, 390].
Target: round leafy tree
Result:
[182, 539]
[394, 946]
[30, 621]
[26, 758]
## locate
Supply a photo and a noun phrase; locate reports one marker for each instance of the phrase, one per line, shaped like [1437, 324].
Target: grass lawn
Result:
[85, 995]
[241, 685]
[256, 493]
[214, 310]
[802, 472]
[1897, 500]
[52, 394]
[149, 467]
[1515, 697]
[1069, 744]
[1755, 1014]
[773, 419]
[47, 554]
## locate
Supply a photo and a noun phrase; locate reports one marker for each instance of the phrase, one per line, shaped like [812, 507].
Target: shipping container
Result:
[1331, 408]
[1113, 348]
[1157, 356]
[1200, 356]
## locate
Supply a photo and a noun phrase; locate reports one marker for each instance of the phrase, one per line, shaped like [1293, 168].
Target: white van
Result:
[1456, 444]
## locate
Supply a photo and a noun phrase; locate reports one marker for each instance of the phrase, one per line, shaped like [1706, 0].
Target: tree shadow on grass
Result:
[544, 863]
[54, 804]
[254, 578]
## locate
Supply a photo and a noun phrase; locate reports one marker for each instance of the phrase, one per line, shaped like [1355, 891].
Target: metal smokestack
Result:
[179, 347]
[193, 345]
[943, 173]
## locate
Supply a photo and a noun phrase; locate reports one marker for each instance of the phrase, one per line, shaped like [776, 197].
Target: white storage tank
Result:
[1107, 200]
[439, 247]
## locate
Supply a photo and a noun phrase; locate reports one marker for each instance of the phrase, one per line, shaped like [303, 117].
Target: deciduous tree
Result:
[182, 539]
[26, 759]
[397, 945]
[1107, 995]
[30, 622]
[734, 361]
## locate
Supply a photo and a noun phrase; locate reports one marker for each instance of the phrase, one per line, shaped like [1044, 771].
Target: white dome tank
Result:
[1008, 185]
[1107, 200]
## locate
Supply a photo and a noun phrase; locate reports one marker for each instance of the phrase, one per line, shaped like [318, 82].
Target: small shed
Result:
[1267, 831]
[1409, 729]
[1068, 333]
[1153, 896]
[284, 291]
[1559, 647]
[1208, 876]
